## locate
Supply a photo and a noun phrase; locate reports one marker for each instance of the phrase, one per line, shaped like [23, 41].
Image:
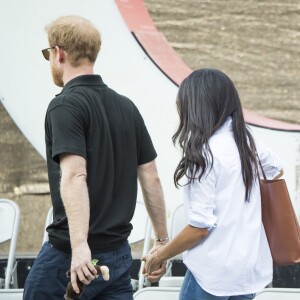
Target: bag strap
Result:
[261, 167]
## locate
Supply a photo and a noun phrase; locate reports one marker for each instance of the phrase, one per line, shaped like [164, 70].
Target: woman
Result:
[227, 253]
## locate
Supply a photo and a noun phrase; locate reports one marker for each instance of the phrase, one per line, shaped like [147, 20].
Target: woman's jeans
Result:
[191, 290]
[47, 279]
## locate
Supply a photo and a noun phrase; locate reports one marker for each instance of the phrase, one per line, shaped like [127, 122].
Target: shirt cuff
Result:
[203, 217]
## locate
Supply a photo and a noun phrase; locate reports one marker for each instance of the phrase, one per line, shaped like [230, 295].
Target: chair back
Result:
[278, 294]
[9, 228]
[11, 294]
[141, 231]
[49, 220]
[139, 223]
[150, 293]
[178, 221]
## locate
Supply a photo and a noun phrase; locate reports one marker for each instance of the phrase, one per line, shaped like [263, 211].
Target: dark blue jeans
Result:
[191, 290]
[47, 279]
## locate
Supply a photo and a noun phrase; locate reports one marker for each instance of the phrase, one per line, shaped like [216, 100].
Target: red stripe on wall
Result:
[167, 60]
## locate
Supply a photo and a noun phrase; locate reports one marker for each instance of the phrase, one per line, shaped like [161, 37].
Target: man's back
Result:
[93, 121]
[97, 145]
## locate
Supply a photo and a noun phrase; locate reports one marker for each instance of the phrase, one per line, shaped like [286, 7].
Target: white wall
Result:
[26, 85]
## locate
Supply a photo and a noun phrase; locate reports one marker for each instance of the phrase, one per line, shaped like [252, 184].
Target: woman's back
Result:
[227, 253]
[235, 259]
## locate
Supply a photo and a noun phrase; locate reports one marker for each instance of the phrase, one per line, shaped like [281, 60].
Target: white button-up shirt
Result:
[235, 258]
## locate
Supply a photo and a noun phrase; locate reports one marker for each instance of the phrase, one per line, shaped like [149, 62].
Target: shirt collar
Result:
[86, 80]
[227, 126]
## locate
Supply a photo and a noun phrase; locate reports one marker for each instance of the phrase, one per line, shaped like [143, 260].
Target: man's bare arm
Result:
[154, 198]
[74, 193]
[154, 201]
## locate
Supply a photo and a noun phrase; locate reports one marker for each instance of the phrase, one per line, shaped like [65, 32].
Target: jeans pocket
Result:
[127, 259]
[188, 286]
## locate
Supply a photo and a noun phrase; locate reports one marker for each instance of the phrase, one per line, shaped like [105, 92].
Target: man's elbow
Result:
[73, 176]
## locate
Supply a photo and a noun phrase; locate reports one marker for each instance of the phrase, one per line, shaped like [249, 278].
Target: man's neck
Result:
[72, 72]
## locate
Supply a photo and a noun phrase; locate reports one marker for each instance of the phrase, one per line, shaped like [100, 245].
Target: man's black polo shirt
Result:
[93, 121]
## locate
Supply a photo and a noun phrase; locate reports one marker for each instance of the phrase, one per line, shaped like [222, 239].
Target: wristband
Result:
[162, 240]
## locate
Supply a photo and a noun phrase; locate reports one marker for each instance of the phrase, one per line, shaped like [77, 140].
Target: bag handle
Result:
[261, 167]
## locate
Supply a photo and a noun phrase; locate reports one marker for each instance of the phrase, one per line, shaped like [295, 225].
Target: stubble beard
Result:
[57, 75]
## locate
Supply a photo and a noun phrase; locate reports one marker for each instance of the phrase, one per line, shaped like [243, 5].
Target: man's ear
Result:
[61, 54]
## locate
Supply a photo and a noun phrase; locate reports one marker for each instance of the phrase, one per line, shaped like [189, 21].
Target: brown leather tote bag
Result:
[280, 221]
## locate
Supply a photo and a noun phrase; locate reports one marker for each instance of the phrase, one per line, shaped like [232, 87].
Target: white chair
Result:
[49, 220]
[278, 294]
[178, 222]
[159, 293]
[141, 231]
[9, 228]
[11, 294]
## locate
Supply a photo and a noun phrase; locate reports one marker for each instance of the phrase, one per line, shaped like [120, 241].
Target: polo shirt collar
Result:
[86, 80]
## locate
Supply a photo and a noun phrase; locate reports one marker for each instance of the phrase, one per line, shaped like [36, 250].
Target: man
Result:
[97, 145]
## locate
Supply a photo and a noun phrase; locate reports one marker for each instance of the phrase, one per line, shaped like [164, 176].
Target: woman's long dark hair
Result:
[205, 100]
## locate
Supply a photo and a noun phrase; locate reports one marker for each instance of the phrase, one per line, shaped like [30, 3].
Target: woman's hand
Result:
[154, 266]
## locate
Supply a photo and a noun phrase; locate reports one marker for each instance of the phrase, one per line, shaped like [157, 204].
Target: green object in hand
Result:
[94, 262]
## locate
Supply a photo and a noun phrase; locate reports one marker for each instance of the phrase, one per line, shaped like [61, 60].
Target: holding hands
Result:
[154, 264]
[155, 261]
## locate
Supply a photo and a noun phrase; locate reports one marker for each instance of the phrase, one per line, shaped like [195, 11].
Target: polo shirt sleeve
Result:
[66, 130]
[147, 152]
[201, 201]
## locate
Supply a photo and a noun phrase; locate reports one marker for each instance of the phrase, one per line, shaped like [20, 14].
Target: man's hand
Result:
[154, 268]
[81, 266]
